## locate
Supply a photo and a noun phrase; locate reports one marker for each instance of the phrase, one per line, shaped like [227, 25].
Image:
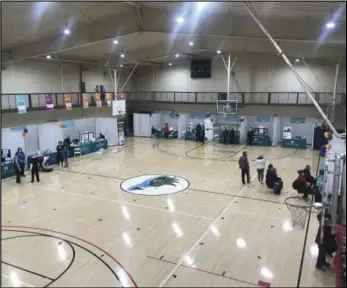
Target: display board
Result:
[118, 107]
[200, 68]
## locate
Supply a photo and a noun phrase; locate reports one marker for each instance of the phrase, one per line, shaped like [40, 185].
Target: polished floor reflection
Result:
[157, 213]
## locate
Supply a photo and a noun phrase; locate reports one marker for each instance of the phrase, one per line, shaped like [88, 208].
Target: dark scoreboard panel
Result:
[200, 68]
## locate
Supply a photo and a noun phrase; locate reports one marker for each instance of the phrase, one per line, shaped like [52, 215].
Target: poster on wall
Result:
[20, 99]
[120, 127]
[287, 132]
[85, 100]
[109, 99]
[98, 99]
[68, 123]
[49, 102]
[68, 104]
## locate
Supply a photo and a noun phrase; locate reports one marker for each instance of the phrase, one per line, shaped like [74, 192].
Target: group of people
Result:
[272, 180]
[250, 134]
[20, 161]
[229, 137]
[63, 152]
[200, 133]
[305, 183]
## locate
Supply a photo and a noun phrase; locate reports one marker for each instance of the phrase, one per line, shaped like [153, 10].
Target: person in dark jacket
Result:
[202, 135]
[17, 167]
[250, 137]
[232, 136]
[327, 245]
[34, 167]
[307, 174]
[244, 167]
[21, 158]
[198, 132]
[225, 136]
[66, 144]
[101, 136]
[271, 176]
[60, 153]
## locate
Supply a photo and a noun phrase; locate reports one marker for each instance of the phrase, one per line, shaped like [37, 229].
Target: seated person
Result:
[154, 131]
[101, 136]
[307, 174]
[301, 185]
[272, 178]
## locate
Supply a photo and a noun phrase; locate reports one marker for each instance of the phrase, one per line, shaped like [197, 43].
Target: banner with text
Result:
[109, 99]
[85, 100]
[68, 104]
[49, 102]
[20, 99]
[98, 99]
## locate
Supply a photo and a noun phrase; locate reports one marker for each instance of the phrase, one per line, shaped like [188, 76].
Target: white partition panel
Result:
[155, 120]
[49, 136]
[142, 125]
[277, 132]
[12, 139]
[300, 129]
[108, 127]
[32, 139]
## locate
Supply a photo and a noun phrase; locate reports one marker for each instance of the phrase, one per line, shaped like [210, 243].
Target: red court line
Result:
[80, 239]
[204, 271]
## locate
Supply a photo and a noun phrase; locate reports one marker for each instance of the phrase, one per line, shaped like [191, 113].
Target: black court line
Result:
[28, 271]
[37, 234]
[70, 243]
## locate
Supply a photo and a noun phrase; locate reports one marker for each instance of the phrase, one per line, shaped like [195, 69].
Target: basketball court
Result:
[158, 213]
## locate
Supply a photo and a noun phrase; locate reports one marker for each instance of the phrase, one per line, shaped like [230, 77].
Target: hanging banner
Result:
[20, 99]
[68, 104]
[121, 96]
[120, 128]
[98, 99]
[49, 102]
[263, 119]
[297, 120]
[109, 99]
[85, 100]
[68, 123]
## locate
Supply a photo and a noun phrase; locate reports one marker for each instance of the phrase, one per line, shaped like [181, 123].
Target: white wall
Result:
[93, 77]
[252, 74]
[40, 77]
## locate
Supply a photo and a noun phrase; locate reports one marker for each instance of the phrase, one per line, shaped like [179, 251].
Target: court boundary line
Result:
[26, 270]
[202, 270]
[74, 237]
[204, 234]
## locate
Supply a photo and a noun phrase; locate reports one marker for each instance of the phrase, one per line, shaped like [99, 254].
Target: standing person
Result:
[166, 131]
[34, 167]
[60, 153]
[17, 167]
[232, 136]
[225, 136]
[198, 132]
[260, 164]
[250, 136]
[67, 143]
[244, 166]
[202, 139]
[21, 158]
[96, 90]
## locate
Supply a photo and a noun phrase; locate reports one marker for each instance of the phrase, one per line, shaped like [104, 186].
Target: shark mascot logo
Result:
[155, 185]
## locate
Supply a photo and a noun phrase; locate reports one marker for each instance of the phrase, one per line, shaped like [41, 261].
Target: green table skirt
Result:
[8, 169]
[172, 135]
[261, 141]
[294, 143]
[189, 136]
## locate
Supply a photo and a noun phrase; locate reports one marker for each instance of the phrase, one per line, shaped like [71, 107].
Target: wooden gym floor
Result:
[80, 227]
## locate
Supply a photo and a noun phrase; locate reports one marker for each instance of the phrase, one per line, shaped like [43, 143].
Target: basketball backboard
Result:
[227, 107]
[118, 107]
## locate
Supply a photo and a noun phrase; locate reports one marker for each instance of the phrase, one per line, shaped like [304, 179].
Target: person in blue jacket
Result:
[17, 167]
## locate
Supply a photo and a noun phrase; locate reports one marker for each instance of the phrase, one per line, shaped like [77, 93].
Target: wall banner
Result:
[20, 100]
[68, 104]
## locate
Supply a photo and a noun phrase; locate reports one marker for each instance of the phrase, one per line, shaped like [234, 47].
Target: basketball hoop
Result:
[299, 210]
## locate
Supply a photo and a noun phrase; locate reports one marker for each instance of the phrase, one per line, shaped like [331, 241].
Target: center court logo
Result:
[155, 185]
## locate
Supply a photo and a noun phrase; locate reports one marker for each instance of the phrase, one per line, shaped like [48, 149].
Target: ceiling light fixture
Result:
[170, 64]
[297, 60]
[115, 41]
[191, 43]
[48, 57]
[67, 31]
[201, 5]
[177, 55]
[218, 52]
[122, 55]
[330, 25]
[121, 65]
[180, 20]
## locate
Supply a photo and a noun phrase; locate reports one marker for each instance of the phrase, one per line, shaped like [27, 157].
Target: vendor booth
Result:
[260, 128]
[297, 132]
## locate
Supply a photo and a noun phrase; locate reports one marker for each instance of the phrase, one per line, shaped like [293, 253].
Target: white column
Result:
[334, 94]
[228, 80]
[115, 83]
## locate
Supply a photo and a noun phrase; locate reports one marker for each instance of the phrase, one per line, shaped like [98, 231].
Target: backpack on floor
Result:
[277, 188]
